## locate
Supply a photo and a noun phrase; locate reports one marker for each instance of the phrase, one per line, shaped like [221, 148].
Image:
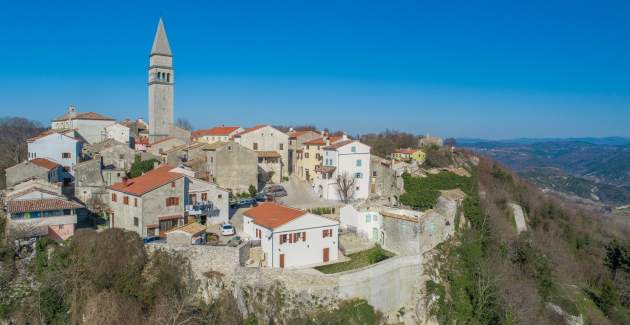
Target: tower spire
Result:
[160, 42]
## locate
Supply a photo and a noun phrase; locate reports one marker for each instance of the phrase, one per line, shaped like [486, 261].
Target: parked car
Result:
[245, 202]
[234, 241]
[227, 229]
[271, 191]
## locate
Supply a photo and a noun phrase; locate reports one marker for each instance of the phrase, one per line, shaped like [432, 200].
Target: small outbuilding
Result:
[189, 234]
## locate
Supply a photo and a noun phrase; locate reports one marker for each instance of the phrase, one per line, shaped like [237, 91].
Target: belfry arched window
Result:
[168, 77]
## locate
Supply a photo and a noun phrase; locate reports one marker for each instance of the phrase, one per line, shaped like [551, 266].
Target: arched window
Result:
[159, 75]
[168, 77]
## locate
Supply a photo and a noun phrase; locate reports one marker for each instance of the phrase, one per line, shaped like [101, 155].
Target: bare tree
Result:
[345, 186]
[184, 124]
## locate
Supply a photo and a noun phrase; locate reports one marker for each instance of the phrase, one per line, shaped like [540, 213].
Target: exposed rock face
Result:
[519, 217]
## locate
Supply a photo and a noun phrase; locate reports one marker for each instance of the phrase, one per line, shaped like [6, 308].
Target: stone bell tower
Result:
[161, 80]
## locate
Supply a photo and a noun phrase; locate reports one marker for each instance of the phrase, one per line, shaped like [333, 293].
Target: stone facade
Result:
[384, 181]
[116, 154]
[267, 138]
[27, 170]
[229, 165]
[161, 81]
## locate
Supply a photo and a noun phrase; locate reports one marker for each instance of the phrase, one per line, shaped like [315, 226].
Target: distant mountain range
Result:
[613, 141]
[593, 168]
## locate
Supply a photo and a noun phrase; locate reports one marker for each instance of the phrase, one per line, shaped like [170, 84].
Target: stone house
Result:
[41, 168]
[216, 134]
[366, 222]
[350, 160]
[114, 153]
[290, 237]
[60, 146]
[162, 199]
[184, 153]
[269, 167]
[34, 211]
[266, 138]
[89, 125]
[296, 140]
[160, 146]
[150, 204]
[384, 180]
[118, 132]
[228, 164]
[91, 180]
[409, 155]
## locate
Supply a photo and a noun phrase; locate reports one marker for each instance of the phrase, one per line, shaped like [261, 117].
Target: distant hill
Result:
[613, 141]
[572, 166]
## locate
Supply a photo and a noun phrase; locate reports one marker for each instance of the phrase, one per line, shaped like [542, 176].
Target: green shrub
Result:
[140, 167]
[252, 191]
[376, 256]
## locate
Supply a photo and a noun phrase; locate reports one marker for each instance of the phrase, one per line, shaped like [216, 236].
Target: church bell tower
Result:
[161, 80]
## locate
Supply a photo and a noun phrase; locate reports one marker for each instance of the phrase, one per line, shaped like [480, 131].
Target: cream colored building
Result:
[311, 155]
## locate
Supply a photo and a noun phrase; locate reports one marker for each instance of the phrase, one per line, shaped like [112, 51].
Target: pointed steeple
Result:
[160, 43]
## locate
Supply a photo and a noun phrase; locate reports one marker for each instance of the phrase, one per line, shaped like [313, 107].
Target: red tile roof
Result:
[407, 151]
[142, 140]
[272, 215]
[16, 206]
[45, 163]
[30, 190]
[219, 130]
[148, 182]
[295, 134]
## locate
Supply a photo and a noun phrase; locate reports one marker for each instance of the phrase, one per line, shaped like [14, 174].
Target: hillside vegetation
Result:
[491, 275]
[14, 131]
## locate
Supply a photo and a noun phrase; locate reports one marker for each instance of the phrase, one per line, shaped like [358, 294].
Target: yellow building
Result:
[409, 155]
[311, 154]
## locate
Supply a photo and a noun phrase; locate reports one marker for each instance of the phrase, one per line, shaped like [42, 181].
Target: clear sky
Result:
[491, 69]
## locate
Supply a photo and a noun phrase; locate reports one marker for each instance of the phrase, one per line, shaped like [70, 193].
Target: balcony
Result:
[202, 208]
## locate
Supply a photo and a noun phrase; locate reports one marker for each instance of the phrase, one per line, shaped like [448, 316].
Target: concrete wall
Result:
[178, 238]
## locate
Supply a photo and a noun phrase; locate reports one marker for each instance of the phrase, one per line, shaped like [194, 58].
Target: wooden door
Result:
[326, 255]
[281, 260]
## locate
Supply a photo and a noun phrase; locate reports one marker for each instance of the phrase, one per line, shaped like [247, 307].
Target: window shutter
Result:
[304, 236]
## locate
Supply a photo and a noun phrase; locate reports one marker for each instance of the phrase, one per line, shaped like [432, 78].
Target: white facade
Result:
[267, 138]
[351, 159]
[310, 248]
[117, 132]
[206, 199]
[57, 147]
[368, 224]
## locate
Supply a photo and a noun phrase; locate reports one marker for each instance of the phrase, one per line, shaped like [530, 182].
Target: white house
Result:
[349, 160]
[365, 222]
[90, 125]
[117, 132]
[290, 237]
[56, 145]
[266, 138]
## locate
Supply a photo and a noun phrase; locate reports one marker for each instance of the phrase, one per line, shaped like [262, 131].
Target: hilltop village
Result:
[313, 210]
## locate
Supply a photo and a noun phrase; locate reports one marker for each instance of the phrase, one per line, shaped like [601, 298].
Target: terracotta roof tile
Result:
[338, 145]
[317, 141]
[407, 151]
[16, 206]
[272, 215]
[217, 131]
[148, 182]
[45, 163]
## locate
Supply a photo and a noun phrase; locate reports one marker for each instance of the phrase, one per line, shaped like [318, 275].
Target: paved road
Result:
[301, 195]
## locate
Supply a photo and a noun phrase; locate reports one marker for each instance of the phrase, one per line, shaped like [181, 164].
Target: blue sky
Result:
[490, 69]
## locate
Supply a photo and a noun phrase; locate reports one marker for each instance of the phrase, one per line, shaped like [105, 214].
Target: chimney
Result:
[156, 164]
[72, 109]
[344, 136]
[291, 130]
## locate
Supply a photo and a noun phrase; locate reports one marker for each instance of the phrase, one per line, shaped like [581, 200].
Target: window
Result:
[306, 155]
[171, 201]
[353, 149]
[113, 197]
[359, 162]
[283, 239]
[282, 146]
[375, 217]
[135, 201]
[368, 218]
[60, 227]
[327, 233]
[220, 196]
[204, 196]
[255, 145]
[135, 221]
[66, 155]
[359, 175]
[258, 233]
[374, 174]
[126, 200]
[168, 77]
[172, 184]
